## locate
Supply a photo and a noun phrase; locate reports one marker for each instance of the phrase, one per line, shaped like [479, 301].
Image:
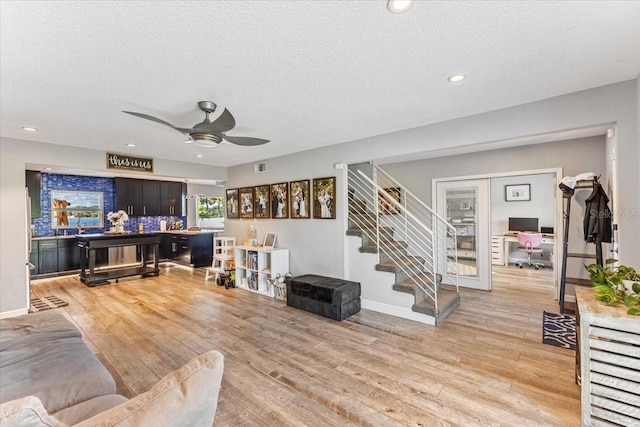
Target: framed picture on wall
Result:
[299, 199]
[232, 204]
[324, 193]
[279, 200]
[246, 202]
[517, 193]
[386, 206]
[262, 201]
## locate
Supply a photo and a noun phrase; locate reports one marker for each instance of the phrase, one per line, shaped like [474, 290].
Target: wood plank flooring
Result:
[486, 365]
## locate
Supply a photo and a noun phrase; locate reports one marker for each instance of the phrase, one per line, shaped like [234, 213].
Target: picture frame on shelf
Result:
[270, 240]
[385, 206]
[279, 200]
[262, 199]
[517, 193]
[246, 202]
[299, 199]
[232, 205]
[324, 198]
[465, 205]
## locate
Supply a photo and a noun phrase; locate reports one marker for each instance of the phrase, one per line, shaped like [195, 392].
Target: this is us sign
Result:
[121, 161]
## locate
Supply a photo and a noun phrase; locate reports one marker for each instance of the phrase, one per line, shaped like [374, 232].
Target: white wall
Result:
[14, 155]
[541, 205]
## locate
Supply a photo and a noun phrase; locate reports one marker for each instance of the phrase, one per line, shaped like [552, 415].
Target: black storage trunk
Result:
[326, 296]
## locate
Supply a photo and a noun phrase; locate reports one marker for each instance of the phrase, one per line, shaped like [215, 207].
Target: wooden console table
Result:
[88, 243]
[608, 362]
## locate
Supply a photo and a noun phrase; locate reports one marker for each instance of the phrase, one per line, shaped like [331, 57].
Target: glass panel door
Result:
[461, 213]
[465, 205]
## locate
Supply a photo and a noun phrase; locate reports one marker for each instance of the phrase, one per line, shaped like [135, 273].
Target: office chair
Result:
[529, 243]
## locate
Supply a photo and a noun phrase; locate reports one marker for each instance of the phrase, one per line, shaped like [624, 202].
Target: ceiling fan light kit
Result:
[209, 133]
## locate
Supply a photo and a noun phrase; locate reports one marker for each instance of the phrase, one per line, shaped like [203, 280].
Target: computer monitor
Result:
[523, 224]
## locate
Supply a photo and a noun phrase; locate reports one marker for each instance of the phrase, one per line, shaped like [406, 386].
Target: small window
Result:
[70, 209]
[210, 207]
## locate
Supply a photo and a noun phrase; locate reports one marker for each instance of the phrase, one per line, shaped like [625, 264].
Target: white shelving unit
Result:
[256, 264]
[223, 254]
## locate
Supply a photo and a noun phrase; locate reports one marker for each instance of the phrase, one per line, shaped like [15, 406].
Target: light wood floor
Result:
[486, 365]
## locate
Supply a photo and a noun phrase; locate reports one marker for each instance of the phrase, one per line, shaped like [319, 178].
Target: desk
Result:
[509, 238]
[88, 243]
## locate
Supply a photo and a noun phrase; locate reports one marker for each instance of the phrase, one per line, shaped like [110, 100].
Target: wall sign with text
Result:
[125, 162]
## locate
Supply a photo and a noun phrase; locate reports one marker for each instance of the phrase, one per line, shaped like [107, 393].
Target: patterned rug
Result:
[559, 330]
[46, 303]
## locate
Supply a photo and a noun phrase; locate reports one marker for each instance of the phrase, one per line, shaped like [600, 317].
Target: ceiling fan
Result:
[208, 133]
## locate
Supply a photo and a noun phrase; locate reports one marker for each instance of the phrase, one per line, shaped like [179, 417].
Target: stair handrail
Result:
[450, 228]
[416, 198]
[395, 202]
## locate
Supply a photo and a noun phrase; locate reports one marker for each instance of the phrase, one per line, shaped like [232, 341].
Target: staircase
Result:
[412, 242]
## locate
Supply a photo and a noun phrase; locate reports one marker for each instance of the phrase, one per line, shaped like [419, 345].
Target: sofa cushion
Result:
[89, 408]
[60, 373]
[27, 412]
[42, 326]
[186, 397]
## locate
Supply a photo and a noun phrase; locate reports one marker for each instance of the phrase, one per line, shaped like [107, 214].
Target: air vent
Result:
[259, 167]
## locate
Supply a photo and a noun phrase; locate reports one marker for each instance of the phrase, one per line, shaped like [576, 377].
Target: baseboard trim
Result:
[394, 310]
[13, 313]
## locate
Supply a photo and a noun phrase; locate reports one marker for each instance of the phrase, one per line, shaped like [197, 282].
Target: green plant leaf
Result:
[636, 288]
[603, 289]
[633, 311]
[610, 261]
[631, 300]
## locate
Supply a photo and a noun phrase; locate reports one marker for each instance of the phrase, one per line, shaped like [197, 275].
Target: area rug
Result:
[46, 303]
[559, 330]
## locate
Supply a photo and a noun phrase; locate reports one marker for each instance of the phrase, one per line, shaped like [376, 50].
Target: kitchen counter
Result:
[71, 236]
[89, 243]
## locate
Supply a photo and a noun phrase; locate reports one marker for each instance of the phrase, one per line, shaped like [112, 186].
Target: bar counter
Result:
[88, 243]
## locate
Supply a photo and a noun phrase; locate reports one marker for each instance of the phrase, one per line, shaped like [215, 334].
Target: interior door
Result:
[465, 205]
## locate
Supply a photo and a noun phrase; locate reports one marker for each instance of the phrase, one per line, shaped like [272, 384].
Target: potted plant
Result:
[615, 284]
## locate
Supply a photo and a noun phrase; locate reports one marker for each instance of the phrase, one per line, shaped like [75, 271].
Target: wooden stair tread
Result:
[394, 245]
[408, 261]
[422, 277]
[447, 302]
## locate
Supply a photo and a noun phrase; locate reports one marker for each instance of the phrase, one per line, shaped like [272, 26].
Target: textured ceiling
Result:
[303, 74]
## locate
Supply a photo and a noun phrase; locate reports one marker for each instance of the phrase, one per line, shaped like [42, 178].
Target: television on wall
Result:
[523, 224]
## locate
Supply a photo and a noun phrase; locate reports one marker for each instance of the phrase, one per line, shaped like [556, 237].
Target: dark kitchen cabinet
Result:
[47, 256]
[193, 249]
[172, 198]
[150, 198]
[129, 196]
[34, 182]
[144, 197]
[68, 254]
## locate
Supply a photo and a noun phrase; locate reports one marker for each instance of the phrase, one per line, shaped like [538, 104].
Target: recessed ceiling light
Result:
[48, 169]
[199, 155]
[399, 6]
[458, 77]
[131, 145]
[29, 129]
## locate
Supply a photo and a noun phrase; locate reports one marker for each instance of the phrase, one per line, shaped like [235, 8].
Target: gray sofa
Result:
[50, 377]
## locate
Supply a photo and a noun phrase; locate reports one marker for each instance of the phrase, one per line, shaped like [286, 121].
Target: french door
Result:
[465, 205]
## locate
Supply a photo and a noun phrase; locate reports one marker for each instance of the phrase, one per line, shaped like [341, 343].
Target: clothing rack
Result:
[591, 184]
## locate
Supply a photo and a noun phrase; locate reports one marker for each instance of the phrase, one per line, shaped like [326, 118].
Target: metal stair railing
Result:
[388, 214]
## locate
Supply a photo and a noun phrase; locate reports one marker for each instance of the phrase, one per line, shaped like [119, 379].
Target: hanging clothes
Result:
[597, 218]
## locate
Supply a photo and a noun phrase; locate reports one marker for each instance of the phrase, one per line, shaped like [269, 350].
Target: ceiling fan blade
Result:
[243, 140]
[157, 120]
[223, 123]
